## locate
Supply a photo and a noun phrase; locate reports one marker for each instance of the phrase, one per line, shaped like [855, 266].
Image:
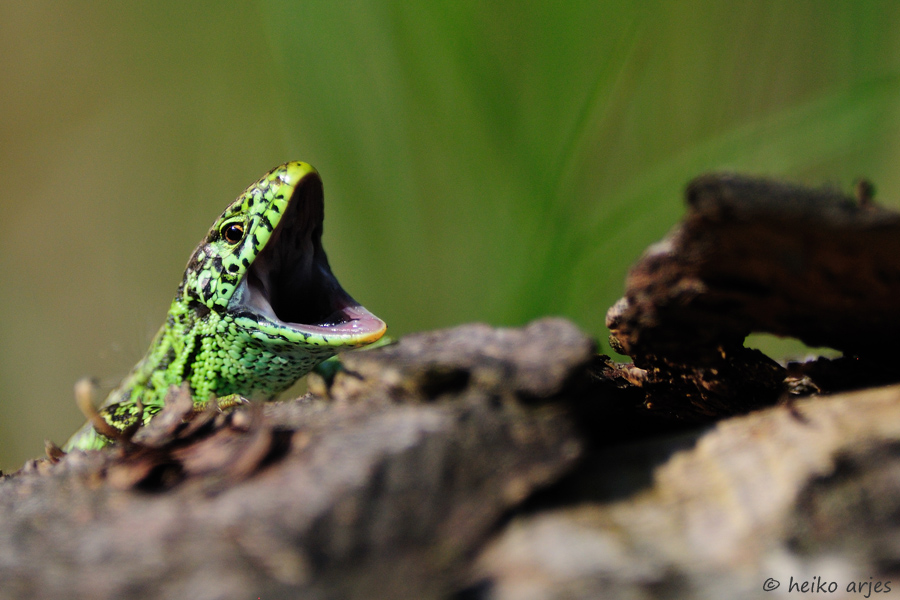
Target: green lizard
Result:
[257, 309]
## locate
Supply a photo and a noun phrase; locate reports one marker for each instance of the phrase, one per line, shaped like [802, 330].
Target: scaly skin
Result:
[222, 334]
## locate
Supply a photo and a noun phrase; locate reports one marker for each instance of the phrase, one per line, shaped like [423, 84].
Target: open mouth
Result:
[291, 284]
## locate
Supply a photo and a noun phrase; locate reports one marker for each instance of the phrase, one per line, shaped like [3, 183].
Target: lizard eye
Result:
[233, 232]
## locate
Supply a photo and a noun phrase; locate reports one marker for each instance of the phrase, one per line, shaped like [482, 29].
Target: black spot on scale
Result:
[167, 359]
[246, 263]
[198, 308]
[247, 315]
[250, 202]
[233, 267]
[267, 223]
[255, 241]
[188, 365]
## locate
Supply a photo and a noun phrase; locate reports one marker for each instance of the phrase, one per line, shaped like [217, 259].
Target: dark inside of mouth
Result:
[293, 271]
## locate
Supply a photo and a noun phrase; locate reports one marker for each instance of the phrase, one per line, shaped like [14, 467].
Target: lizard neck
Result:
[167, 361]
[164, 365]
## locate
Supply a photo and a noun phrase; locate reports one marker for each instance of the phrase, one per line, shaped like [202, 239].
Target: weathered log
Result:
[506, 464]
[381, 493]
[790, 493]
[753, 255]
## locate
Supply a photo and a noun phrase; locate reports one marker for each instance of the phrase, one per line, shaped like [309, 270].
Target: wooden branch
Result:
[787, 494]
[382, 492]
[502, 464]
[753, 255]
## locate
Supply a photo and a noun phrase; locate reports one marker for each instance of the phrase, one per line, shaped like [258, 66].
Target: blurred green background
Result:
[482, 161]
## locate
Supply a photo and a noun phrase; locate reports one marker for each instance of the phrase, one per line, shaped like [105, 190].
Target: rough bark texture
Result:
[479, 463]
[753, 255]
[380, 493]
[801, 491]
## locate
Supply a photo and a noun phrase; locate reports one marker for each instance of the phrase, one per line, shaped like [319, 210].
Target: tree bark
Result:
[481, 463]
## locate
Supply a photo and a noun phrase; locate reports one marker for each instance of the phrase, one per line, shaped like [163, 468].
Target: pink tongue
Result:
[358, 320]
[357, 323]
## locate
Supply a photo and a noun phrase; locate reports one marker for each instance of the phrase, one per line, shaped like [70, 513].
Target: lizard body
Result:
[257, 309]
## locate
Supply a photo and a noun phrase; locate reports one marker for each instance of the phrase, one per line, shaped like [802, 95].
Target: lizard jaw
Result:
[349, 324]
[290, 283]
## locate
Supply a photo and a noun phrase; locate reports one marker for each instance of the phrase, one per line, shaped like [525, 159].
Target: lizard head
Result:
[262, 263]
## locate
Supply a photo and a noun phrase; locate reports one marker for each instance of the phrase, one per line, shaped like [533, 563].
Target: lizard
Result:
[258, 308]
